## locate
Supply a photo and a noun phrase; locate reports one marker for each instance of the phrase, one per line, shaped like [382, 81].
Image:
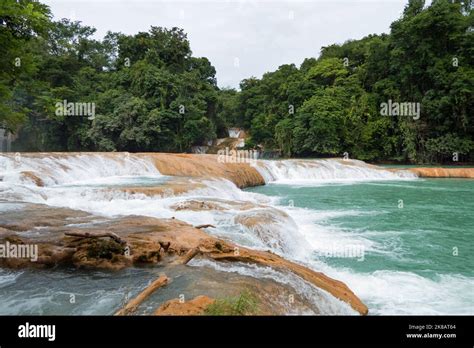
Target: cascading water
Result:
[260, 219]
[94, 183]
[389, 238]
[310, 172]
[57, 170]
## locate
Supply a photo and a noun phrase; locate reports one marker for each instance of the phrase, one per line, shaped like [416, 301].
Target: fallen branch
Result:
[112, 235]
[187, 257]
[133, 304]
[205, 226]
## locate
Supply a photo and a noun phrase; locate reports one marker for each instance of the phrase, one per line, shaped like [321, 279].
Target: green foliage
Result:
[444, 147]
[228, 111]
[151, 94]
[21, 22]
[104, 249]
[244, 304]
[284, 137]
[327, 71]
[318, 123]
[427, 58]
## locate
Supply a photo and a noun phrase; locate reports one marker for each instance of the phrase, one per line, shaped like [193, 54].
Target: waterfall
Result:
[325, 171]
[54, 169]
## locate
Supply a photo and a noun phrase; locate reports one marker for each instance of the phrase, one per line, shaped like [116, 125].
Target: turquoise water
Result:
[403, 245]
[420, 231]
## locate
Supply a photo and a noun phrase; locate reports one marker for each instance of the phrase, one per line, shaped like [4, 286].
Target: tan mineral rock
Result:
[443, 172]
[196, 306]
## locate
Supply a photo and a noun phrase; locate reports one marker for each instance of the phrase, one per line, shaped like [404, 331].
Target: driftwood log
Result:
[112, 235]
[133, 304]
[205, 226]
[187, 257]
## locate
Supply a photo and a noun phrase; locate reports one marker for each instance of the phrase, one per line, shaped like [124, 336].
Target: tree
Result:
[20, 23]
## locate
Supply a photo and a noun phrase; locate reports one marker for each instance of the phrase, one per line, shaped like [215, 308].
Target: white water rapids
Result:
[314, 172]
[93, 182]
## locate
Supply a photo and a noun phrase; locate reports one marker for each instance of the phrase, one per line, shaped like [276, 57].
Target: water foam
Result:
[80, 168]
[385, 292]
[406, 293]
[320, 299]
[77, 182]
[311, 172]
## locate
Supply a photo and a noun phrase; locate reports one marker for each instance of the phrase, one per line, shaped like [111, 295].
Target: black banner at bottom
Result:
[290, 330]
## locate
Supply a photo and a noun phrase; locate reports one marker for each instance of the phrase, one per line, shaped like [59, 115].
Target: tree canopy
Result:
[331, 105]
[151, 94]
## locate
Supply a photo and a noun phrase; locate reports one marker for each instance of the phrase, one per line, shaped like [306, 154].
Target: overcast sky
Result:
[241, 38]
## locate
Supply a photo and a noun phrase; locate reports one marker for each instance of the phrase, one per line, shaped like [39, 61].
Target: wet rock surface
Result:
[84, 240]
[148, 241]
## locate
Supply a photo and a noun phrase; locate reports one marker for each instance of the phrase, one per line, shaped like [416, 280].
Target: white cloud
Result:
[261, 34]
